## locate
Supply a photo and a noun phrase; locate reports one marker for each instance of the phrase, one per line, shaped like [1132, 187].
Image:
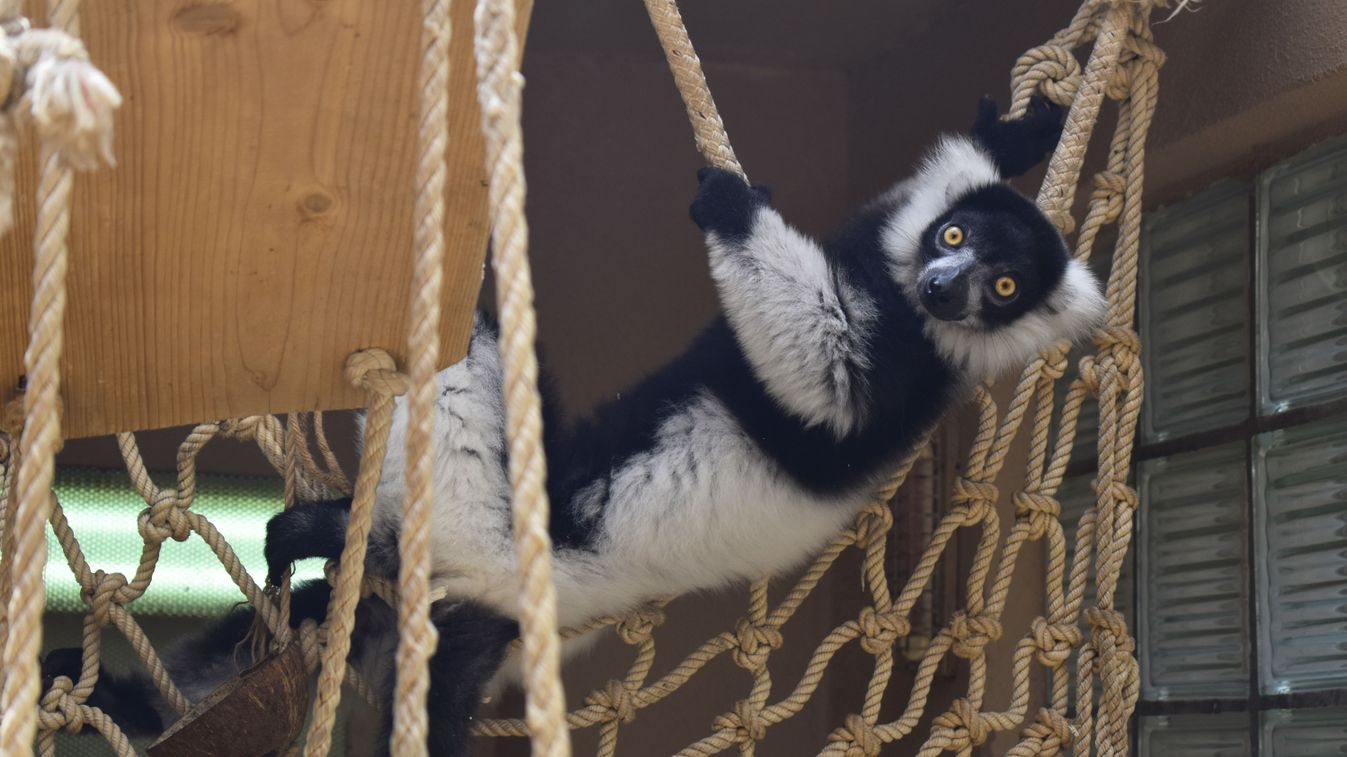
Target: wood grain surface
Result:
[257, 228]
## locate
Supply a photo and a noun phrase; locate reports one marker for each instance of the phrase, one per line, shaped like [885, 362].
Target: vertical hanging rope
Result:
[416, 635]
[41, 436]
[709, 130]
[373, 371]
[498, 92]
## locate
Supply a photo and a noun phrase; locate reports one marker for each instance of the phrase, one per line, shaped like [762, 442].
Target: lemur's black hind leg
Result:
[471, 646]
[198, 664]
[1018, 145]
[309, 529]
[130, 700]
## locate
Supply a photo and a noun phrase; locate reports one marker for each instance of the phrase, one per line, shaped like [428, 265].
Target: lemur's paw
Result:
[309, 529]
[725, 203]
[1020, 144]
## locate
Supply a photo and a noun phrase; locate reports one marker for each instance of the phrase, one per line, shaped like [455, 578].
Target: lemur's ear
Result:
[1020, 144]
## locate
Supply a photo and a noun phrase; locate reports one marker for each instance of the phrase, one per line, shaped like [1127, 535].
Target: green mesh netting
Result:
[189, 580]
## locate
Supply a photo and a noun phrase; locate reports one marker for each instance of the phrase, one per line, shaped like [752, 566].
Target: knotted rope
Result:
[71, 103]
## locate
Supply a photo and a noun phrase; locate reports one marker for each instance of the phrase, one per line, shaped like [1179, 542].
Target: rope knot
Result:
[1049, 69]
[164, 519]
[1053, 360]
[1141, 49]
[1119, 85]
[1108, 633]
[1121, 343]
[881, 629]
[1089, 375]
[858, 736]
[755, 644]
[637, 627]
[617, 699]
[872, 525]
[1055, 641]
[60, 709]
[964, 726]
[744, 721]
[1038, 509]
[1053, 732]
[374, 370]
[1109, 189]
[972, 633]
[107, 589]
[976, 497]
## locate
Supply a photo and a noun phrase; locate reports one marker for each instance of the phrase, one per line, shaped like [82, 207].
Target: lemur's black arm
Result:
[1023, 143]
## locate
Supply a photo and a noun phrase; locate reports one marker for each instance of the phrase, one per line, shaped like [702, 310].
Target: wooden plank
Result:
[257, 229]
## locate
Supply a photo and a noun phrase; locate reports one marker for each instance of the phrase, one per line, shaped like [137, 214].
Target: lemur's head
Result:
[985, 268]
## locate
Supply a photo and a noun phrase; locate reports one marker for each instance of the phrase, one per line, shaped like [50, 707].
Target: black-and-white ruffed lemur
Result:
[740, 458]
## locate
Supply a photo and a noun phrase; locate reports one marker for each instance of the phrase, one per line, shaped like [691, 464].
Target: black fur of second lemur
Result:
[742, 456]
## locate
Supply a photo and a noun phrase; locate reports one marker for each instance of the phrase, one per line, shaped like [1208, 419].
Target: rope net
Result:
[1122, 65]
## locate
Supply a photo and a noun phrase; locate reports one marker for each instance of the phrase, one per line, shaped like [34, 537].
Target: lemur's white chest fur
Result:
[703, 507]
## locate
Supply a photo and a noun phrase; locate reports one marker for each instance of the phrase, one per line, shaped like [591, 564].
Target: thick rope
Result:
[71, 105]
[375, 372]
[416, 635]
[707, 127]
[498, 93]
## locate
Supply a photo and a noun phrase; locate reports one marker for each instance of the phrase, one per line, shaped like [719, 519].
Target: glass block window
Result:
[1194, 604]
[1302, 273]
[1242, 465]
[1305, 733]
[1223, 735]
[1301, 509]
[1195, 314]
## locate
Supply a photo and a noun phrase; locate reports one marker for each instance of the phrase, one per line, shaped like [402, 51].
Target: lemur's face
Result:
[989, 259]
[994, 281]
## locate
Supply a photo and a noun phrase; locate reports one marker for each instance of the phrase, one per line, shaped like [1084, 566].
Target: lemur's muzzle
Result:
[944, 291]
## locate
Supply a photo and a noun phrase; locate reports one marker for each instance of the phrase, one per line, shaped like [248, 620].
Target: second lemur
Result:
[743, 456]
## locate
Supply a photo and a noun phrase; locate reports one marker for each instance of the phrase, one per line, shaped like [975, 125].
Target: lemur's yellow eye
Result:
[953, 236]
[1006, 287]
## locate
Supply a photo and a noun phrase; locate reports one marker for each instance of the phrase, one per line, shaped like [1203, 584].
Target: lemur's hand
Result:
[725, 203]
[1021, 144]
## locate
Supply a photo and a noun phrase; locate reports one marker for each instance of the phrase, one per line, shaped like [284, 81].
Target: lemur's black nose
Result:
[944, 294]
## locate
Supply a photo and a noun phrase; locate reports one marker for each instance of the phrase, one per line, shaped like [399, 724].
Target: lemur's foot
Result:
[725, 203]
[309, 529]
[1022, 143]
